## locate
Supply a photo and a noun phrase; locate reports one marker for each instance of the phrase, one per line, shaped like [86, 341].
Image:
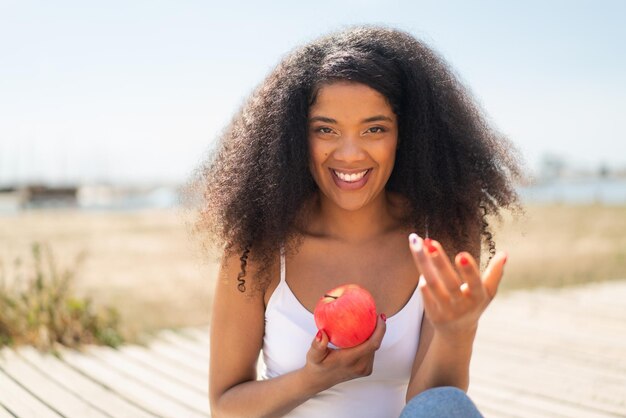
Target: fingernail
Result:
[383, 317]
[415, 241]
[506, 257]
[464, 261]
[429, 245]
[318, 336]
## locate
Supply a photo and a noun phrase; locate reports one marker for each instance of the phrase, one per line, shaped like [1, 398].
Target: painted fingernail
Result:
[464, 261]
[506, 257]
[429, 245]
[416, 242]
[383, 317]
[318, 336]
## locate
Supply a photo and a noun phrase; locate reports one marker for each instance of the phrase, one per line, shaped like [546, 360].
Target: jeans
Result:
[440, 402]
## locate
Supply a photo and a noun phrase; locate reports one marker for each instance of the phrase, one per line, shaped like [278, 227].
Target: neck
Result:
[357, 226]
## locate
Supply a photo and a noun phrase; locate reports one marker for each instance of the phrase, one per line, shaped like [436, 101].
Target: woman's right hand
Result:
[330, 366]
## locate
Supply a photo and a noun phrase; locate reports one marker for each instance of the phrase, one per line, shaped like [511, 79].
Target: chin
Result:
[349, 204]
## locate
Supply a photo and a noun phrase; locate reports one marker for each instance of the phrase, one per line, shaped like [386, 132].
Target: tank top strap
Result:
[282, 263]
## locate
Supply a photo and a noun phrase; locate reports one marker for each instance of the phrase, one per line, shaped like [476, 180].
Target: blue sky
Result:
[133, 91]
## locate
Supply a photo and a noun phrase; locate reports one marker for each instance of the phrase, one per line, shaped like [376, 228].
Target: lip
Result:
[351, 186]
[352, 171]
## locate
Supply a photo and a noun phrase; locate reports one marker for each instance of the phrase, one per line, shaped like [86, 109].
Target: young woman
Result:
[353, 150]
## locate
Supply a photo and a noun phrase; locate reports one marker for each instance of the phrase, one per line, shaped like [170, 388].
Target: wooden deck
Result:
[547, 353]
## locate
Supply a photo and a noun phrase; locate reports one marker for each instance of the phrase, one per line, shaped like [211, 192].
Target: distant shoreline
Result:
[584, 191]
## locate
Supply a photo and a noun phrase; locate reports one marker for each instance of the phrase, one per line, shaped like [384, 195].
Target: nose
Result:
[350, 149]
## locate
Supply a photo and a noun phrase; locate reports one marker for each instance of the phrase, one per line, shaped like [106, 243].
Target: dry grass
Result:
[147, 266]
[40, 309]
[561, 245]
[142, 263]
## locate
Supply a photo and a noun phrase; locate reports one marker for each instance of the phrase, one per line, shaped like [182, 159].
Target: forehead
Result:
[349, 99]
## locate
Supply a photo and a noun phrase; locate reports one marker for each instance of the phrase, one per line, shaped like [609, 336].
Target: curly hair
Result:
[453, 168]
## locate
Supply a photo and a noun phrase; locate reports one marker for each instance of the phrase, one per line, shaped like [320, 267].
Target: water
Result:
[579, 191]
[583, 191]
[95, 198]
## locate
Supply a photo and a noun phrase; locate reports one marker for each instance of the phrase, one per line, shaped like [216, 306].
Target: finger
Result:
[470, 273]
[376, 338]
[319, 347]
[430, 302]
[446, 272]
[493, 273]
[427, 269]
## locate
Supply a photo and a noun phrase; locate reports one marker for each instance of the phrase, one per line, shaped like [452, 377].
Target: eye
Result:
[377, 129]
[324, 130]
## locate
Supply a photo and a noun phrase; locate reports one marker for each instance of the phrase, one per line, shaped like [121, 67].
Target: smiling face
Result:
[353, 135]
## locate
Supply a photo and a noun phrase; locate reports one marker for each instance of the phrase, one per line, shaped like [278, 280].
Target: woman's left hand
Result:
[454, 299]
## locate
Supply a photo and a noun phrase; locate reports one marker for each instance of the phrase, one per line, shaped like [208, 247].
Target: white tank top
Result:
[289, 331]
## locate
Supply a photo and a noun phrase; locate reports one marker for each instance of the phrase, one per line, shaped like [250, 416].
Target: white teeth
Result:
[351, 178]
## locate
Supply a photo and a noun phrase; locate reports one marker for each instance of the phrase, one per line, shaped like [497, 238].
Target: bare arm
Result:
[237, 328]
[454, 299]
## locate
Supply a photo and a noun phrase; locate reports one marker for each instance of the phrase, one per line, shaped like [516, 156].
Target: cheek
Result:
[317, 153]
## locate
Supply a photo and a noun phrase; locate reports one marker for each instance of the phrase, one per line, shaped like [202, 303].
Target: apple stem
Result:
[329, 296]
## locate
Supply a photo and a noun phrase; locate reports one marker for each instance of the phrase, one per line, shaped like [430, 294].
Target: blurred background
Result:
[106, 108]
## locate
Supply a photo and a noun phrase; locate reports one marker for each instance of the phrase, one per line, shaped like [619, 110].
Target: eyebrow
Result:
[367, 120]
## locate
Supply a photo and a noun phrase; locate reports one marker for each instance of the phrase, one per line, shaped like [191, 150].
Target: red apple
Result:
[347, 314]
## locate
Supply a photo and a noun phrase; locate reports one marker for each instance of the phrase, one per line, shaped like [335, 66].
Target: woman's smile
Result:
[350, 181]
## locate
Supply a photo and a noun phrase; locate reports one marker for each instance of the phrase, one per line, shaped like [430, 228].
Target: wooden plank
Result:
[560, 321]
[131, 370]
[82, 386]
[584, 303]
[559, 356]
[559, 310]
[506, 403]
[576, 344]
[199, 333]
[21, 402]
[527, 404]
[545, 346]
[559, 353]
[4, 413]
[511, 359]
[192, 347]
[538, 394]
[542, 381]
[179, 357]
[148, 399]
[193, 379]
[575, 298]
[57, 398]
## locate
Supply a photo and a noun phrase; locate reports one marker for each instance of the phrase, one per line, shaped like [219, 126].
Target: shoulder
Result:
[247, 273]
